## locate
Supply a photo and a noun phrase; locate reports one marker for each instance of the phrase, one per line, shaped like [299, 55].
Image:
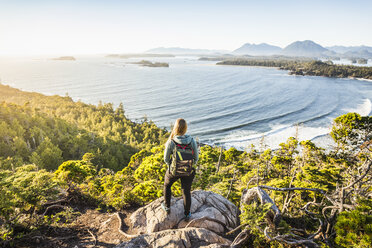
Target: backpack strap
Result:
[183, 146]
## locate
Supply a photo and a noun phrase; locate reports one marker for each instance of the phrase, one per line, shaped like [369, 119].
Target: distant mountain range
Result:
[258, 49]
[344, 49]
[306, 48]
[180, 50]
[352, 51]
[358, 54]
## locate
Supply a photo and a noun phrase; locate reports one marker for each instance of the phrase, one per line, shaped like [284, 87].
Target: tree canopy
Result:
[52, 147]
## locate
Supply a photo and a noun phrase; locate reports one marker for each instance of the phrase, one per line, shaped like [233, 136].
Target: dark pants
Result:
[186, 189]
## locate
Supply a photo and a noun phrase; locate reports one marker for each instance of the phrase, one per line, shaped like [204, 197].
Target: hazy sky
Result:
[65, 27]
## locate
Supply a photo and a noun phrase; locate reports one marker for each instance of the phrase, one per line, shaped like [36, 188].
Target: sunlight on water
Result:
[224, 105]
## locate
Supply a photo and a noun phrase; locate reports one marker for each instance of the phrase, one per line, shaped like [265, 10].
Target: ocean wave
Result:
[222, 115]
[363, 109]
[322, 116]
[364, 79]
[278, 134]
[271, 118]
[207, 99]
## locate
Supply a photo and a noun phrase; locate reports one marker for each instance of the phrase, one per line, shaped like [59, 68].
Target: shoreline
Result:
[258, 66]
[362, 79]
[278, 68]
[293, 72]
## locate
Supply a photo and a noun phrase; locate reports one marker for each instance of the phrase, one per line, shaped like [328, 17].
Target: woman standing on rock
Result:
[181, 154]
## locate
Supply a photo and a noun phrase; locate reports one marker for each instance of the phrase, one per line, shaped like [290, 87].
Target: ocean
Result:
[232, 106]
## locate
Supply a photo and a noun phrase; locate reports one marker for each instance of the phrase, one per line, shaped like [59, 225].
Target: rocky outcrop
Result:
[182, 238]
[209, 210]
[212, 215]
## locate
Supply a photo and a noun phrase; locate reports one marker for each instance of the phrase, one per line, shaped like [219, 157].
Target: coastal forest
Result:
[305, 67]
[56, 154]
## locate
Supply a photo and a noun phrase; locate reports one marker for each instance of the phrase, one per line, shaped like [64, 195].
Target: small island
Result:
[151, 64]
[362, 61]
[65, 58]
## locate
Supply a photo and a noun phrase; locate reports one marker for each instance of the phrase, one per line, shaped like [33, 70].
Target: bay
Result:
[223, 105]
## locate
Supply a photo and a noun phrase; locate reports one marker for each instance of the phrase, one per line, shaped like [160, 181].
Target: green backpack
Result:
[182, 160]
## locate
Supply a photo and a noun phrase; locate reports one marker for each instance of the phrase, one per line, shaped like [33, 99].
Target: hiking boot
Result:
[187, 217]
[165, 208]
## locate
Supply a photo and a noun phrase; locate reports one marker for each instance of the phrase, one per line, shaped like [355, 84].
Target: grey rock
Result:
[209, 210]
[178, 238]
[212, 214]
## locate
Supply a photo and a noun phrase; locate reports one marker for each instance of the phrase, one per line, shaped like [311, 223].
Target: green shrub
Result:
[21, 192]
[354, 228]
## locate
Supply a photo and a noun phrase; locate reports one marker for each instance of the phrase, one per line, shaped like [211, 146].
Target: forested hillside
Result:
[47, 130]
[54, 151]
[306, 68]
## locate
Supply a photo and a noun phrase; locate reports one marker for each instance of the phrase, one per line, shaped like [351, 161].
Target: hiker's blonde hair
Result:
[180, 128]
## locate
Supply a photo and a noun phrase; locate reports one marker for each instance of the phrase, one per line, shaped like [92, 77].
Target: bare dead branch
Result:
[289, 239]
[252, 179]
[361, 177]
[236, 229]
[325, 209]
[307, 205]
[241, 238]
[53, 207]
[292, 189]
[298, 230]
[287, 200]
[318, 231]
[93, 236]
[231, 183]
[63, 200]
[301, 188]
[219, 161]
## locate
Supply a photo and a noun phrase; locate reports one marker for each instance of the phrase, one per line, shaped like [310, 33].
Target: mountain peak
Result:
[307, 48]
[258, 49]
